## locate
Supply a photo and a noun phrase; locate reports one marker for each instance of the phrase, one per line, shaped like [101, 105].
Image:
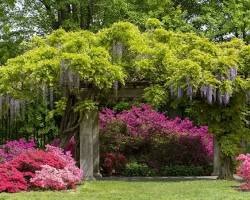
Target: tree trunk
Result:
[226, 167]
[90, 13]
[70, 121]
[216, 158]
[82, 15]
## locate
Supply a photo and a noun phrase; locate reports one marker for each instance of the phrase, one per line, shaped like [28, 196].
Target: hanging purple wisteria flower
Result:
[219, 97]
[179, 92]
[171, 90]
[203, 90]
[209, 94]
[232, 73]
[190, 92]
[189, 89]
[214, 94]
[226, 98]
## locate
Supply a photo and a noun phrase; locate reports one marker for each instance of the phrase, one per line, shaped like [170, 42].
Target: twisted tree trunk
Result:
[225, 167]
[69, 126]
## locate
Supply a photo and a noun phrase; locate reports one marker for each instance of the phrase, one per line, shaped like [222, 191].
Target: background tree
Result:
[223, 20]
[218, 20]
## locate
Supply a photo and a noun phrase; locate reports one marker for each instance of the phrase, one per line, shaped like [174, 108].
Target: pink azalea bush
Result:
[243, 170]
[50, 177]
[143, 121]
[13, 148]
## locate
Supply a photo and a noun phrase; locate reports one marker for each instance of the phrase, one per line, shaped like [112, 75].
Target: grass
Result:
[117, 190]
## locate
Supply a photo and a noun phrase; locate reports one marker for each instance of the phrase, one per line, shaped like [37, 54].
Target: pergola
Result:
[89, 131]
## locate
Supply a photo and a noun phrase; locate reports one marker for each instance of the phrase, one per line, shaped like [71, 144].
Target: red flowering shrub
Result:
[113, 163]
[11, 180]
[70, 146]
[31, 161]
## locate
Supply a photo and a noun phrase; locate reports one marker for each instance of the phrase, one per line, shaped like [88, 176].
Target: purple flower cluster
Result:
[144, 121]
[13, 148]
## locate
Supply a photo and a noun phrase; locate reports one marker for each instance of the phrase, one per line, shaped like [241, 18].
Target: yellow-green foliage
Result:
[156, 55]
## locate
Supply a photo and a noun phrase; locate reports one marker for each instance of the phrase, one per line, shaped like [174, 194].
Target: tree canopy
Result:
[218, 20]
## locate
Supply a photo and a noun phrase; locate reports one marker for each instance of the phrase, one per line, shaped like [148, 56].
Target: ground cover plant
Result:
[144, 142]
[24, 167]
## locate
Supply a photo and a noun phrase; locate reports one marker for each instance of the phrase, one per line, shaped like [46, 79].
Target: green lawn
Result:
[110, 190]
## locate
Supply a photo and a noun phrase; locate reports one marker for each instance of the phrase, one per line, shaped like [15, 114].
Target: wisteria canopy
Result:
[178, 64]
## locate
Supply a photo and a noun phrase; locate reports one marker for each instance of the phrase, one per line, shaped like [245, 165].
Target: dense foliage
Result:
[151, 139]
[33, 168]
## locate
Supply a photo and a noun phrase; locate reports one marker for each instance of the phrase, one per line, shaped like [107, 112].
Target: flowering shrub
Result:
[31, 161]
[151, 138]
[70, 145]
[73, 175]
[113, 163]
[46, 169]
[243, 170]
[13, 148]
[51, 177]
[144, 121]
[11, 180]
[48, 178]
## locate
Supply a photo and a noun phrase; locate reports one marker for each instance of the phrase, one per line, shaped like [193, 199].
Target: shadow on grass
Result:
[157, 179]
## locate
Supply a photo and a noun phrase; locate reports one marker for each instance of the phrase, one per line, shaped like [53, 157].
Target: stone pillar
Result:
[89, 145]
[95, 134]
[216, 161]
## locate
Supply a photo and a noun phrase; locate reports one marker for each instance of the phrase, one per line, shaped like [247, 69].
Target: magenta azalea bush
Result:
[13, 148]
[146, 136]
[26, 168]
[243, 170]
[144, 121]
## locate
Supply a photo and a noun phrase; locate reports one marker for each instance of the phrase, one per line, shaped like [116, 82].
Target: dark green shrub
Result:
[181, 170]
[176, 150]
[137, 169]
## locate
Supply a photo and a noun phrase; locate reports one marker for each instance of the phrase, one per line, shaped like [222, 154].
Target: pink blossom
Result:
[14, 148]
[144, 121]
[243, 170]
[53, 178]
